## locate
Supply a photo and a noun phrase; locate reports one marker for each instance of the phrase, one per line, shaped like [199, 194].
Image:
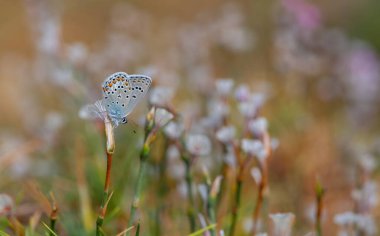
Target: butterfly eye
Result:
[124, 120]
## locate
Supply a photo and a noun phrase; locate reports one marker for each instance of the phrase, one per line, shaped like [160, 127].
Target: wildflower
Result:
[250, 107]
[174, 129]
[242, 93]
[6, 205]
[366, 196]
[345, 218]
[162, 117]
[367, 162]
[198, 144]
[283, 223]
[254, 148]
[363, 222]
[224, 86]
[161, 96]
[366, 224]
[226, 134]
[258, 126]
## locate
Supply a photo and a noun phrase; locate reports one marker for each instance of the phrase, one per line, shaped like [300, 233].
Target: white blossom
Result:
[283, 223]
[174, 129]
[224, 86]
[345, 218]
[162, 117]
[226, 134]
[254, 148]
[242, 93]
[250, 107]
[258, 126]
[366, 196]
[161, 96]
[198, 144]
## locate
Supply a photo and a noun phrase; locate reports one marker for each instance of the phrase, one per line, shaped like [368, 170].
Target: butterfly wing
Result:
[117, 94]
[140, 85]
[93, 111]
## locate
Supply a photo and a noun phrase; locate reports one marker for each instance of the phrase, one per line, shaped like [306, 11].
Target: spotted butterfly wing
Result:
[140, 85]
[117, 91]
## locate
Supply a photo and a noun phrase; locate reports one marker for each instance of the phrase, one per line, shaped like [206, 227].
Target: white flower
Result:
[6, 205]
[254, 148]
[283, 223]
[258, 126]
[367, 162]
[224, 86]
[226, 134]
[250, 107]
[345, 218]
[242, 93]
[218, 108]
[363, 222]
[256, 175]
[162, 117]
[161, 96]
[366, 223]
[174, 129]
[367, 196]
[198, 144]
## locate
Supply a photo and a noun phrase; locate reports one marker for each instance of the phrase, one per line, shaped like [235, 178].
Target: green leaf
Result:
[50, 230]
[203, 230]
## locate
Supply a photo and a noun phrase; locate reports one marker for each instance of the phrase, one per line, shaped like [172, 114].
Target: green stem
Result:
[211, 213]
[100, 219]
[235, 209]
[189, 184]
[52, 227]
[140, 180]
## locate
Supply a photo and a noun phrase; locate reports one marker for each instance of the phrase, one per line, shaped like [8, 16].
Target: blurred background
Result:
[317, 62]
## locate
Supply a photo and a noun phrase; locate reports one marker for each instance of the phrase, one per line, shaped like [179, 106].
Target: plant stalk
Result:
[235, 209]
[139, 184]
[103, 207]
[190, 196]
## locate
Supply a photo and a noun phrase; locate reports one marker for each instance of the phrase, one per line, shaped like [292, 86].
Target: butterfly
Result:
[121, 94]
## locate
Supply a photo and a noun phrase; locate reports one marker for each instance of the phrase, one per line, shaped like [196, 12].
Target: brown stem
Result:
[256, 212]
[264, 182]
[108, 172]
[103, 207]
